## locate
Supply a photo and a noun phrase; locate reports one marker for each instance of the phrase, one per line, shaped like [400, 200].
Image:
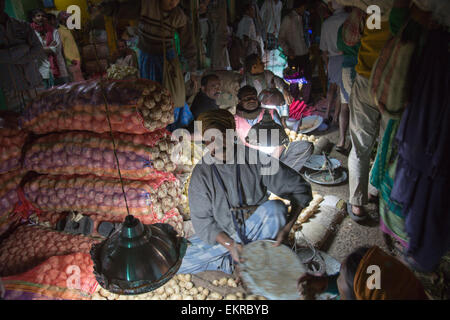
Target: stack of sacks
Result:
[141, 157]
[12, 140]
[75, 158]
[29, 246]
[66, 277]
[136, 107]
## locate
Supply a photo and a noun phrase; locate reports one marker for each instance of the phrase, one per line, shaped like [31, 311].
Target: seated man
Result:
[124, 56]
[228, 198]
[205, 100]
[249, 112]
[256, 76]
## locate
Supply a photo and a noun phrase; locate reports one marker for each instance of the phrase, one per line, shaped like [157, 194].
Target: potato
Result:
[231, 297]
[193, 291]
[189, 285]
[176, 297]
[223, 281]
[216, 296]
[160, 290]
[169, 291]
[201, 297]
[187, 277]
[231, 283]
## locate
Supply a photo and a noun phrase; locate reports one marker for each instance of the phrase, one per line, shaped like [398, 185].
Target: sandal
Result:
[76, 224]
[353, 216]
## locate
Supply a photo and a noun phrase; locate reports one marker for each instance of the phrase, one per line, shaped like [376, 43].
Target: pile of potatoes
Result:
[180, 287]
[306, 213]
[120, 72]
[294, 136]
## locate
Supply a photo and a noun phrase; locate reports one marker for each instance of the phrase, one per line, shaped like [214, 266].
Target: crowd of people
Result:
[38, 55]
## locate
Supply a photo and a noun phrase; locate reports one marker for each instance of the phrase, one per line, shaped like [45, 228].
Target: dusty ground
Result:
[350, 235]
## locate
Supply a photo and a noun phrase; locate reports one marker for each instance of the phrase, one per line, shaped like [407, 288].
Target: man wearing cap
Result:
[228, 198]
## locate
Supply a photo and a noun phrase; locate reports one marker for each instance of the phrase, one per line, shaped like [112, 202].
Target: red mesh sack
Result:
[135, 106]
[141, 157]
[68, 277]
[86, 194]
[28, 246]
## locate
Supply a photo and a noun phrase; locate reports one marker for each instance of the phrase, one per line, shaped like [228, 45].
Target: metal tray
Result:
[324, 178]
[309, 124]
[317, 162]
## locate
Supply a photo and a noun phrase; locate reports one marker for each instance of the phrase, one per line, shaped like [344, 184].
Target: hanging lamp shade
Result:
[261, 133]
[138, 258]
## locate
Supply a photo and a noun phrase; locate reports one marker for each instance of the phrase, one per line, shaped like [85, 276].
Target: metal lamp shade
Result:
[138, 258]
[261, 133]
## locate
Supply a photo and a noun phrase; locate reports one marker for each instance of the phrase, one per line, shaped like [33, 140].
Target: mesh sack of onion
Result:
[141, 157]
[135, 106]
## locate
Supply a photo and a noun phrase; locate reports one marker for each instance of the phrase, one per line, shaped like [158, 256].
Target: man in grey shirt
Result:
[237, 177]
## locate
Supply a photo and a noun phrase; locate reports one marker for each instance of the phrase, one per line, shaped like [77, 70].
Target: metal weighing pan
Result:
[319, 163]
[324, 177]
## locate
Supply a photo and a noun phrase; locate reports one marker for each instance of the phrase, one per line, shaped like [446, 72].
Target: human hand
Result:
[288, 97]
[282, 236]
[310, 284]
[236, 251]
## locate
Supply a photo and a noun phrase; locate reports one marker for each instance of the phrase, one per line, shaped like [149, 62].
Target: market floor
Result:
[349, 235]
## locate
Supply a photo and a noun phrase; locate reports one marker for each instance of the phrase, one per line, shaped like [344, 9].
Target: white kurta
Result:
[44, 64]
[247, 28]
[292, 38]
[271, 16]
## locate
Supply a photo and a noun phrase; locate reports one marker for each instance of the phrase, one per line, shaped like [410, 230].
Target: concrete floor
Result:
[350, 235]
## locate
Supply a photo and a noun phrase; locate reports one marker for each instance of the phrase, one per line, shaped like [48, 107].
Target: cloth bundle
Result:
[171, 217]
[141, 157]
[135, 106]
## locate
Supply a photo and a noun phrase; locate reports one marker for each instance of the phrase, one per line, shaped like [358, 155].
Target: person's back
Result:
[330, 29]
[372, 41]
[19, 49]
